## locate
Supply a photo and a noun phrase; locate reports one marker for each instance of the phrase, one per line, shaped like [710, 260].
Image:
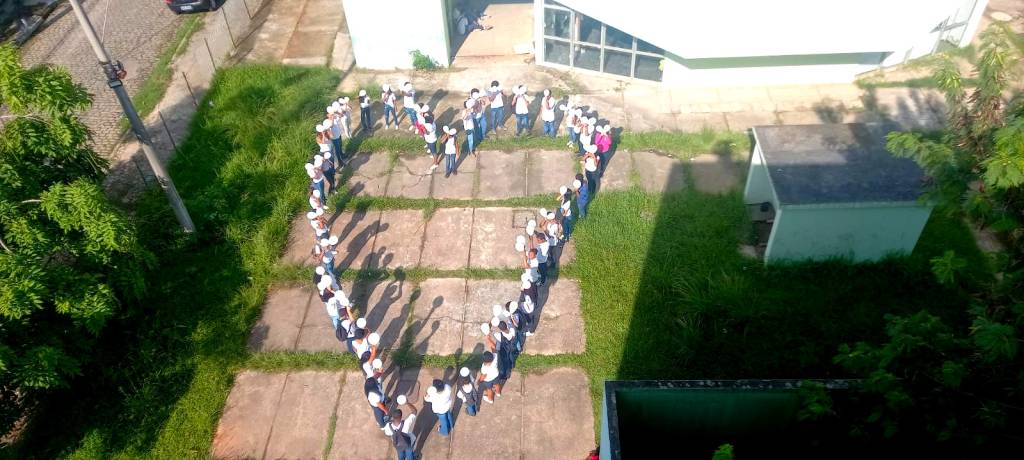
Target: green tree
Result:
[68, 257]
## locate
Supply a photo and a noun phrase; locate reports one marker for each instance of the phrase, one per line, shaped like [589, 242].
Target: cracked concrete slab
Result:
[502, 175]
[659, 173]
[439, 312]
[494, 238]
[369, 174]
[399, 240]
[411, 177]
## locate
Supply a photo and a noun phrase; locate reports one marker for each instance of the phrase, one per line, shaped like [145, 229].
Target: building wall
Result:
[769, 70]
[861, 234]
[384, 32]
[759, 187]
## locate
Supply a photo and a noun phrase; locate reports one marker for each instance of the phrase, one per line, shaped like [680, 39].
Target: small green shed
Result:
[834, 191]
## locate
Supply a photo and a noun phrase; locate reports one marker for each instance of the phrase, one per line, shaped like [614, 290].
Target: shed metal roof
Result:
[836, 163]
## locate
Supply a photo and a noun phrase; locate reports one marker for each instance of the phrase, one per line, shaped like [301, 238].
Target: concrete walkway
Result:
[313, 414]
[440, 316]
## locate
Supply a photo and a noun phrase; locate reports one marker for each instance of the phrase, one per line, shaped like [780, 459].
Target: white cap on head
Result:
[525, 277]
[385, 87]
[402, 399]
[425, 108]
[576, 184]
[520, 246]
[320, 270]
[530, 226]
[551, 215]
[431, 390]
[320, 128]
[332, 108]
[547, 92]
[511, 307]
[324, 283]
[327, 155]
[333, 240]
[316, 193]
[343, 100]
[485, 328]
[317, 162]
[469, 104]
[543, 211]
[324, 242]
[407, 86]
[464, 372]
[563, 190]
[308, 166]
[495, 321]
[311, 215]
[451, 131]
[361, 323]
[318, 157]
[319, 212]
[362, 92]
[377, 363]
[520, 239]
[327, 123]
[374, 339]
[527, 284]
[578, 112]
[590, 148]
[497, 311]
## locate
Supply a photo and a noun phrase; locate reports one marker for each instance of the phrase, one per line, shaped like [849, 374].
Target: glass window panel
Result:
[556, 52]
[556, 23]
[617, 62]
[587, 57]
[617, 38]
[648, 67]
[647, 47]
[589, 29]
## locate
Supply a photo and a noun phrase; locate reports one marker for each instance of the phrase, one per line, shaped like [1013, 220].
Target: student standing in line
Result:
[603, 140]
[532, 266]
[334, 127]
[582, 197]
[488, 377]
[401, 432]
[451, 150]
[468, 393]
[518, 321]
[388, 99]
[590, 168]
[316, 175]
[365, 122]
[330, 172]
[440, 397]
[468, 126]
[430, 137]
[315, 200]
[547, 113]
[409, 104]
[345, 119]
[318, 274]
[586, 134]
[521, 105]
[507, 353]
[539, 242]
[323, 137]
[378, 402]
[497, 98]
[479, 120]
[565, 206]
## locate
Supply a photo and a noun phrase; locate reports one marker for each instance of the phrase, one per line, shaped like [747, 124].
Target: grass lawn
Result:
[665, 292]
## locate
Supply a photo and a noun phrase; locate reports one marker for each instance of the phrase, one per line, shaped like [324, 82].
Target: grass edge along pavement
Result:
[240, 173]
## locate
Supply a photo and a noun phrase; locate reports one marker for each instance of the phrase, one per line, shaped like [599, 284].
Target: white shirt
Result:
[409, 99]
[547, 114]
[431, 133]
[585, 138]
[496, 99]
[361, 347]
[368, 369]
[364, 102]
[315, 203]
[373, 399]
[542, 251]
[535, 267]
[522, 105]
[553, 229]
[590, 165]
[467, 123]
[325, 148]
[490, 371]
[336, 127]
[449, 146]
[442, 401]
[335, 305]
[389, 99]
[406, 427]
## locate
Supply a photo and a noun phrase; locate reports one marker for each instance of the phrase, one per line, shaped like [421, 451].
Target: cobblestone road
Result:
[134, 31]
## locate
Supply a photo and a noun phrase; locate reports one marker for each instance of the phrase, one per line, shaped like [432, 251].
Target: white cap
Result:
[520, 246]
[333, 240]
[592, 121]
[531, 226]
[543, 211]
[331, 108]
[320, 128]
[377, 364]
[563, 190]
[469, 104]
[590, 148]
[316, 193]
[361, 323]
[425, 108]
[324, 242]
[512, 307]
[525, 278]
[485, 328]
[547, 92]
[451, 131]
[326, 123]
[318, 162]
[311, 215]
[320, 270]
[521, 239]
[576, 184]
[318, 157]
[385, 87]
[551, 215]
[464, 372]
[327, 155]
[578, 112]
[407, 86]
[527, 284]
[402, 399]
[374, 338]
[324, 283]
[319, 212]
[362, 92]
[497, 310]
[431, 391]
[495, 321]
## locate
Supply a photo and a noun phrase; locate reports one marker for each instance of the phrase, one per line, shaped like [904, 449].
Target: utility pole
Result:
[114, 71]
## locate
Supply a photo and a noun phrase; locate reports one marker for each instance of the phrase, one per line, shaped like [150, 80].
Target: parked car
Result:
[193, 6]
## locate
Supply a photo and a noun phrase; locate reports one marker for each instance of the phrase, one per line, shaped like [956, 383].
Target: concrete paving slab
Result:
[248, 416]
[658, 173]
[458, 186]
[317, 332]
[283, 314]
[448, 239]
[494, 239]
[502, 175]
[714, 173]
[356, 434]
[399, 239]
[369, 174]
[499, 424]
[304, 415]
[618, 171]
[386, 306]
[356, 232]
[560, 329]
[300, 241]
[547, 170]
[558, 421]
[438, 315]
[411, 177]
[481, 296]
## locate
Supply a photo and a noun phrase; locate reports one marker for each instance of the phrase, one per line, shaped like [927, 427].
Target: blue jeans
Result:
[320, 187]
[365, 123]
[522, 122]
[445, 422]
[581, 206]
[549, 128]
[449, 163]
[411, 113]
[592, 178]
[329, 176]
[497, 115]
[337, 146]
[481, 126]
[573, 136]
[566, 227]
[469, 140]
[407, 454]
[329, 267]
[389, 110]
[471, 409]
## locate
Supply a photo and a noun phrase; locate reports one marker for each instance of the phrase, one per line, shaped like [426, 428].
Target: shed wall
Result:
[384, 32]
[858, 233]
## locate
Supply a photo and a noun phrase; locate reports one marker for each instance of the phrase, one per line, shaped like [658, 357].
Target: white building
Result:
[686, 42]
